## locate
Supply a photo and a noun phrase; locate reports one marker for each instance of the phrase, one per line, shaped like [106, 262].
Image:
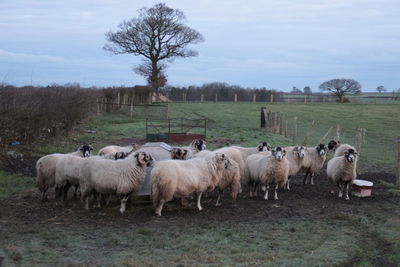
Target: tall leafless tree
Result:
[341, 87]
[158, 34]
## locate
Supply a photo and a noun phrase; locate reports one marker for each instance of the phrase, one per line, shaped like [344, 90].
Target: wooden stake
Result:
[254, 98]
[337, 132]
[398, 161]
[271, 98]
[263, 117]
[235, 98]
[202, 98]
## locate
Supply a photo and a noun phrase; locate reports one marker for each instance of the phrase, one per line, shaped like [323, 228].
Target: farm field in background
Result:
[306, 226]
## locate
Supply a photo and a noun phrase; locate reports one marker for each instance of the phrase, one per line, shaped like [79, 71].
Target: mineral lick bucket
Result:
[362, 188]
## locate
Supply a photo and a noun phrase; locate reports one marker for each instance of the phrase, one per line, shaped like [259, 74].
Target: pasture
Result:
[306, 226]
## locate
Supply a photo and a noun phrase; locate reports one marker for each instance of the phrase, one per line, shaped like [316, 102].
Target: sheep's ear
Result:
[223, 156]
[91, 148]
[284, 152]
[81, 148]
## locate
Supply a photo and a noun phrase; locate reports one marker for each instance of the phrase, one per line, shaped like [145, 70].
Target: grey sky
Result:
[274, 44]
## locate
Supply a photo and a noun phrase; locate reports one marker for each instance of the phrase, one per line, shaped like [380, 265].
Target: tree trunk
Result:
[154, 76]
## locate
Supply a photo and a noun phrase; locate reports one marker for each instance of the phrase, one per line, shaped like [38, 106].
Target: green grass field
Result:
[306, 227]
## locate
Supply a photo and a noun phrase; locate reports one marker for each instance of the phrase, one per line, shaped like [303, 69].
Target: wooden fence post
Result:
[271, 98]
[295, 130]
[263, 117]
[202, 98]
[254, 98]
[235, 97]
[119, 99]
[98, 106]
[286, 125]
[358, 139]
[281, 124]
[131, 109]
[216, 97]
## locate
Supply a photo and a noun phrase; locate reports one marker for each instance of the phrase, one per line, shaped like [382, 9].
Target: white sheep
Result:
[247, 151]
[180, 178]
[342, 171]
[68, 169]
[120, 177]
[188, 152]
[46, 168]
[295, 156]
[230, 176]
[313, 161]
[265, 170]
[113, 149]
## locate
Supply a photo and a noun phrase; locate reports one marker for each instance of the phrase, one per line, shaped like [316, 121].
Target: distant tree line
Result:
[221, 91]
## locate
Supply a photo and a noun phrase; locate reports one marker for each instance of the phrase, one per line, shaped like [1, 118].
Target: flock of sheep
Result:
[121, 171]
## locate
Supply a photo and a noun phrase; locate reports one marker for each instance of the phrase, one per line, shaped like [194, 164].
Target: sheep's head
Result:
[321, 149]
[333, 144]
[300, 150]
[228, 163]
[263, 146]
[278, 153]
[179, 153]
[350, 155]
[144, 159]
[135, 146]
[86, 150]
[121, 155]
[198, 145]
[219, 158]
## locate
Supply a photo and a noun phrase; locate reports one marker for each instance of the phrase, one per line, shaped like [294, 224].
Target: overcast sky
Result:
[260, 43]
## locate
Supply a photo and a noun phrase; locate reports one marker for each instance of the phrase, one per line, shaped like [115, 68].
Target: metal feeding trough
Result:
[159, 151]
[362, 188]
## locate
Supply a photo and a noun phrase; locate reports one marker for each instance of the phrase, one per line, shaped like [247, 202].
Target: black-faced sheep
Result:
[120, 177]
[313, 161]
[46, 168]
[342, 171]
[180, 178]
[265, 170]
[188, 152]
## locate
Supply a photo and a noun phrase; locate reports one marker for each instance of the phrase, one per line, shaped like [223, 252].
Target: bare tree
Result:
[381, 89]
[157, 34]
[341, 87]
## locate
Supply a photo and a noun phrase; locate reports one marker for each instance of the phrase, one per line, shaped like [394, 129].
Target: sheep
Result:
[230, 175]
[247, 151]
[180, 178]
[188, 152]
[121, 177]
[113, 149]
[68, 169]
[339, 149]
[313, 161]
[265, 170]
[46, 168]
[295, 156]
[342, 171]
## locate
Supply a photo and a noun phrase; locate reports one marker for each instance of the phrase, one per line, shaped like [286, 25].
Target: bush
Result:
[28, 113]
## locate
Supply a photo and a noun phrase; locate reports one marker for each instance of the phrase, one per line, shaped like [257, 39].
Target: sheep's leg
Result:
[159, 207]
[124, 199]
[312, 178]
[340, 190]
[65, 191]
[44, 196]
[287, 186]
[306, 175]
[347, 190]
[266, 193]
[220, 193]
[76, 190]
[276, 192]
[198, 200]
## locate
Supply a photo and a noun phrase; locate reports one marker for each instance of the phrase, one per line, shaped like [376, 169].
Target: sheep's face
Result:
[301, 151]
[264, 146]
[179, 153]
[219, 158]
[333, 144]
[86, 150]
[121, 155]
[144, 159]
[321, 149]
[199, 145]
[350, 155]
[228, 163]
[135, 146]
[278, 153]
